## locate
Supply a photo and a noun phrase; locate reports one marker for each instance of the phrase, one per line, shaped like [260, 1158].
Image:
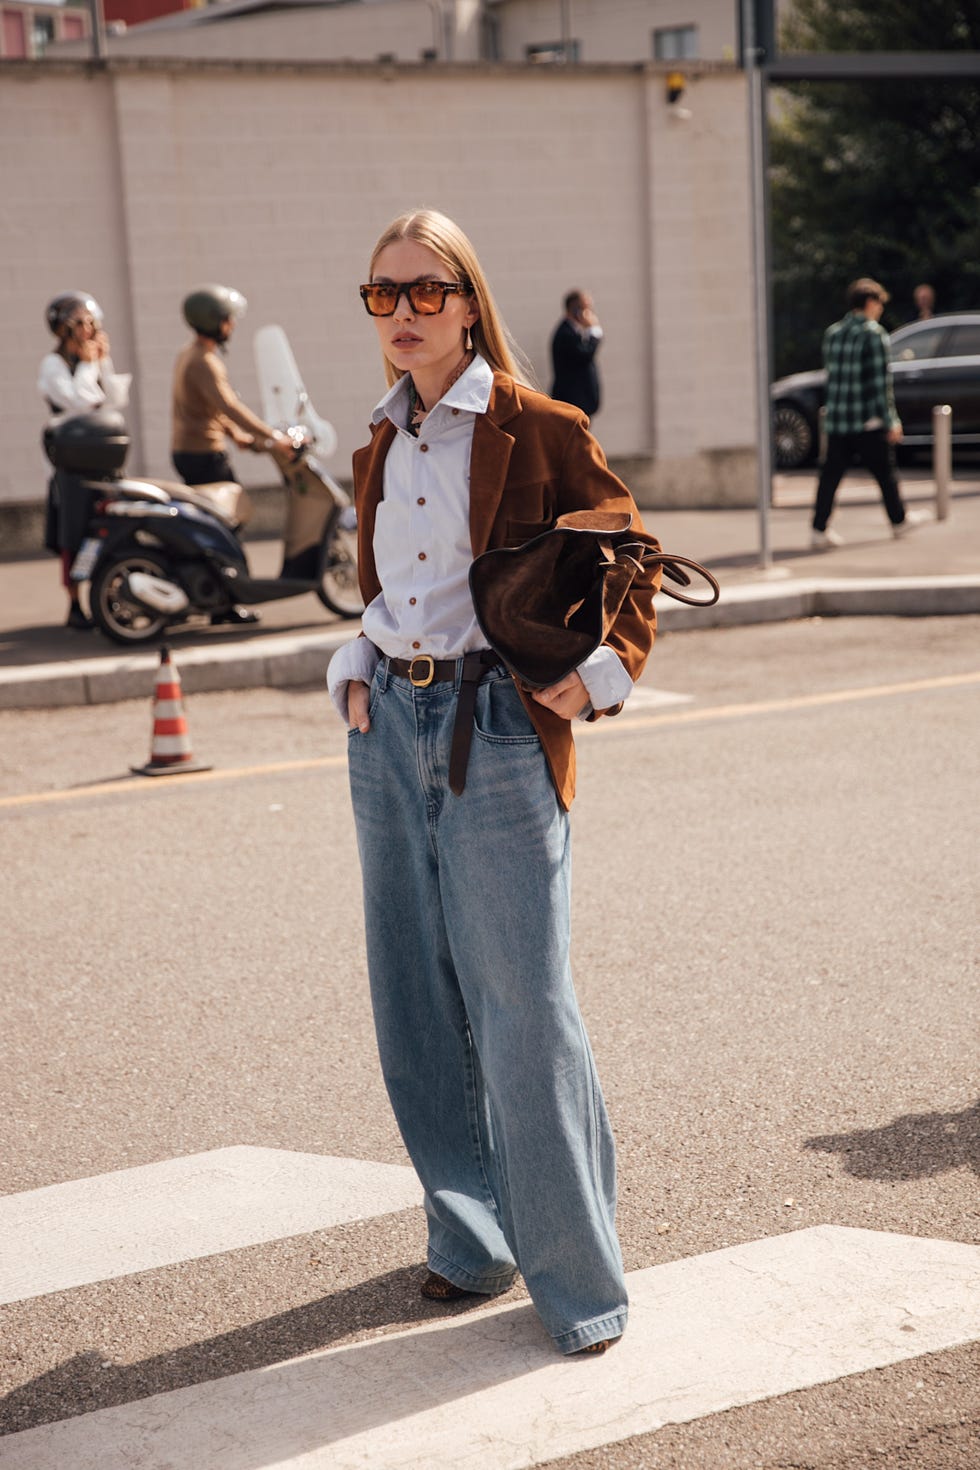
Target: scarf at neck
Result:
[417, 411]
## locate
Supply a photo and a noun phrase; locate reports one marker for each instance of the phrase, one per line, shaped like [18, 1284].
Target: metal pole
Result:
[98, 30]
[942, 456]
[565, 31]
[438, 28]
[760, 272]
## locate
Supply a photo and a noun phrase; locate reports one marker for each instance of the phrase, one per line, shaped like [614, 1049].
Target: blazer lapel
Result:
[490, 460]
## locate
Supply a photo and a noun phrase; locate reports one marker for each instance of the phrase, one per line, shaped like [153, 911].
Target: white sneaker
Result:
[824, 540]
[913, 518]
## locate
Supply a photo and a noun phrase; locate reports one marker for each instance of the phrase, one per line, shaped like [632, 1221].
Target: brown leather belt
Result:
[423, 670]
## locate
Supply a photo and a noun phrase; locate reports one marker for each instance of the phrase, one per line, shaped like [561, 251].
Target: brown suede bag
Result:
[546, 605]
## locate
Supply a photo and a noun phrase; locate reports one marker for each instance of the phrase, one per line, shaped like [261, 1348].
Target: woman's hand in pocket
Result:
[358, 700]
[567, 698]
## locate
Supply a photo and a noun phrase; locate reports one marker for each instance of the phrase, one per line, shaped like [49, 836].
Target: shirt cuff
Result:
[357, 660]
[605, 678]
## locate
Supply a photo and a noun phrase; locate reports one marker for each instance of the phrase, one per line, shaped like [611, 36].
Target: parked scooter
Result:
[159, 553]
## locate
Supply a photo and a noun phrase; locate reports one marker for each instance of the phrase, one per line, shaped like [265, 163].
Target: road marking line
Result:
[87, 1230]
[126, 785]
[628, 727]
[795, 702]
[488, 1391]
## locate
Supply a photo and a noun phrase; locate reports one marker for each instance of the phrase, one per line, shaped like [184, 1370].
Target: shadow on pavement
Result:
[915, 1146]
[21, 647]
[85, 1383]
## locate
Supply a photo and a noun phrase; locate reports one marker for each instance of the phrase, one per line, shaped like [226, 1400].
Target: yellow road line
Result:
[625, 726]
[141, 784]
[778, 706]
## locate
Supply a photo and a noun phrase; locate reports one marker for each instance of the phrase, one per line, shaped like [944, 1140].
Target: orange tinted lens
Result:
[380, 300]
[427, 297]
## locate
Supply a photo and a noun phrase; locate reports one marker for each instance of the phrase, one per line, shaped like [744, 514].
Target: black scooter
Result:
[158, 553]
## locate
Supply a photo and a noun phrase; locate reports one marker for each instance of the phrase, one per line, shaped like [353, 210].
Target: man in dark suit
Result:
[573, 349]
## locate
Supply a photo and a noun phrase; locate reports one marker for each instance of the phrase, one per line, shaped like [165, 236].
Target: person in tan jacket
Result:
[461, 782]
[206, 410]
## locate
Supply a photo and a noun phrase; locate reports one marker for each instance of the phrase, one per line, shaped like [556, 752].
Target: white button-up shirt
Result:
[422, 547]
[422, 534]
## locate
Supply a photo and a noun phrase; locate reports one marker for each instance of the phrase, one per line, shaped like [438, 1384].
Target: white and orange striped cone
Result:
[170, 747]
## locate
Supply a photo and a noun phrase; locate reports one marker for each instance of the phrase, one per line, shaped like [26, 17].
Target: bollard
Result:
[942, 456]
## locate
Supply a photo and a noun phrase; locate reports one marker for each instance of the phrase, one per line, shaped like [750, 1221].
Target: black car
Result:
[936, 361]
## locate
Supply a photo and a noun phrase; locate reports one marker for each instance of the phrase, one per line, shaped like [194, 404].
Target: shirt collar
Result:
[471, 392]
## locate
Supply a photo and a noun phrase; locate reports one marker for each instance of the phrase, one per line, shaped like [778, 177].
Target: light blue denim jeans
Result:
[484, 1054]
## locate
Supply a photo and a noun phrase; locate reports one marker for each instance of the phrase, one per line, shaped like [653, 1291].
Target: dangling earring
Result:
[469, 341]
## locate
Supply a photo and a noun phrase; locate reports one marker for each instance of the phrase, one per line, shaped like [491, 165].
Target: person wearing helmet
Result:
[75, 377]
[206, 410]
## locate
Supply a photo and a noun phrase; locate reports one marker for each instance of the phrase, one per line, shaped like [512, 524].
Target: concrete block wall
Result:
[703, 375]
[277, 180]
[402, 29]
[612, 32]
[62, 208]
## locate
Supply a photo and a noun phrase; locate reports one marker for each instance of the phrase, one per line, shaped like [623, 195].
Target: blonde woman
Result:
[461, 784]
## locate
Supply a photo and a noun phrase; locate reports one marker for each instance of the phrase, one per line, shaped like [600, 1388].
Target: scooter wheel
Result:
[115, 610]
[339, 590]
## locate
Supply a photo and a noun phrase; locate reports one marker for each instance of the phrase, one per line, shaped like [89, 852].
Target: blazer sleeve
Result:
[587, 483]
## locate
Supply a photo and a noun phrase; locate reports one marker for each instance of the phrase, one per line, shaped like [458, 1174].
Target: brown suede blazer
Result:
[533, 460]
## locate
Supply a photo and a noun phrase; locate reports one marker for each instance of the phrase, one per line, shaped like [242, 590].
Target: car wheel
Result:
[793, 437]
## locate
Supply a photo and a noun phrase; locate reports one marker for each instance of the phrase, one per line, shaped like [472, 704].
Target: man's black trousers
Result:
[873, 450]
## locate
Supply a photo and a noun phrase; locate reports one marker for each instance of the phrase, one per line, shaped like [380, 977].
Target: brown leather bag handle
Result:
[673, 567]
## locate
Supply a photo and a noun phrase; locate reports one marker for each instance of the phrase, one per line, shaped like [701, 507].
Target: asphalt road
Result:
[775, 919]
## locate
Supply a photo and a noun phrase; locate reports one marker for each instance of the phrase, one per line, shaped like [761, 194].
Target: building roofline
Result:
[122, 64]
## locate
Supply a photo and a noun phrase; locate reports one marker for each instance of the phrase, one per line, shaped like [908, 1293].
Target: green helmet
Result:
[207, 307]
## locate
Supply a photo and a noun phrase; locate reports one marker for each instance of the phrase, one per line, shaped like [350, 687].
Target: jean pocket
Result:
[374, 698]
[500, 717]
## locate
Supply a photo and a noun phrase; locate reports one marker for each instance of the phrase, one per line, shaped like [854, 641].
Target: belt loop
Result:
[385, 673]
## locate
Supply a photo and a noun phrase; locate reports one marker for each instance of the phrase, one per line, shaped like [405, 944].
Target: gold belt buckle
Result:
[422, 683]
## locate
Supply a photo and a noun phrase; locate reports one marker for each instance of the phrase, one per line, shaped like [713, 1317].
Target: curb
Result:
[776, 601]
[293, 660]
[272, 661]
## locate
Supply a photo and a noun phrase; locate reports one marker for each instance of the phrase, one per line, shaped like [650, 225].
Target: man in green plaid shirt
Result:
[862, 422]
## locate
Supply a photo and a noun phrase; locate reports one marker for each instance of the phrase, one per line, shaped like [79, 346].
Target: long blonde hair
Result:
[445, 239]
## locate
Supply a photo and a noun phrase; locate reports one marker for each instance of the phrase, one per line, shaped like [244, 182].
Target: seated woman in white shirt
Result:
[76, 377]
[461, 783]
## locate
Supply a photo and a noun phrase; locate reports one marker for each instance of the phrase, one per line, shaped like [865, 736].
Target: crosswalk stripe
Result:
[648, 699]
[182, 1209]
[488, 1392]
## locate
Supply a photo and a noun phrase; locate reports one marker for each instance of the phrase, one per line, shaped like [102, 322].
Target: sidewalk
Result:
[933, 570]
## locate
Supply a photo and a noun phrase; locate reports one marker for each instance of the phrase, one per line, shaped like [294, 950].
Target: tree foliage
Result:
[873, 178]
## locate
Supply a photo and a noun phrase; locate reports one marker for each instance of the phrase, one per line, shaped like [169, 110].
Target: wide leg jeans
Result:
[482, 1045]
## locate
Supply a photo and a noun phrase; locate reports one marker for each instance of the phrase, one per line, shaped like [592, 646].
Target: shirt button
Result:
[423, 448]
[421, 556]
[421, 500]
[412, 601]
[416, 645]
[455, 412]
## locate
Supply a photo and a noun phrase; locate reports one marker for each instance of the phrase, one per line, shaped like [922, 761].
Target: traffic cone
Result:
[170, 747]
